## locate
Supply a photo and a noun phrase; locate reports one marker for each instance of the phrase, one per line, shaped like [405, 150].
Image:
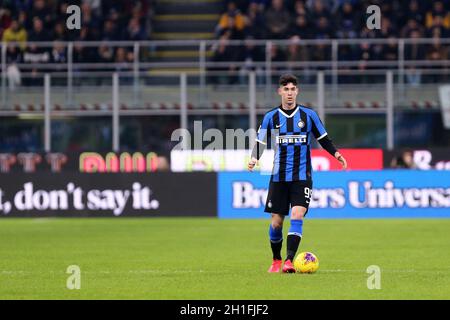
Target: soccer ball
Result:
[306, 262]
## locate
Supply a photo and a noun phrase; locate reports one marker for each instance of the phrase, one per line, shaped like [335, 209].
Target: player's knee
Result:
[298, 213]
[277, 222]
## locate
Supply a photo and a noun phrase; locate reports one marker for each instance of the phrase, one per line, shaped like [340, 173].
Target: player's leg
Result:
[276, 235]
[277, 201]
[300, 194]
[295, 231]
[294, 237]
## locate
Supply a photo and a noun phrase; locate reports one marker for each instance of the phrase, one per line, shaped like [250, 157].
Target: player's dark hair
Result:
[287, 78]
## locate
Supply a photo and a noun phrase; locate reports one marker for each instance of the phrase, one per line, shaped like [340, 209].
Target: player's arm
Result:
[321, 135]
[257, 152]
[261, 143]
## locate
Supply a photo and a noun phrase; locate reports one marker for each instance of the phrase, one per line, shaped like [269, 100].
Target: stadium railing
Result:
[80, 61]
[202, 87]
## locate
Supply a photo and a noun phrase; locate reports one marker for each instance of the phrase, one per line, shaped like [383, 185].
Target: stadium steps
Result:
[183, 20]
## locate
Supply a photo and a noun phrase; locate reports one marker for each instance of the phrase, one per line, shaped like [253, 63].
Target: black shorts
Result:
[284, 195]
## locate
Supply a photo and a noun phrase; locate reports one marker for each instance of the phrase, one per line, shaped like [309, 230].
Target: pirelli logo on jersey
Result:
[291, 139]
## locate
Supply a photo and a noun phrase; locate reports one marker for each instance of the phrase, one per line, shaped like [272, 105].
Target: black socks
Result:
[276, 249]
[293, 241]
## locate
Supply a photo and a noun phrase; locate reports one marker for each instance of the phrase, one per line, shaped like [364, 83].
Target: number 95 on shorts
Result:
[284, 195]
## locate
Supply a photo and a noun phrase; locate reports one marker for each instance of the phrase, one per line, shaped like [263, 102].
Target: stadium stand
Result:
[217, 43]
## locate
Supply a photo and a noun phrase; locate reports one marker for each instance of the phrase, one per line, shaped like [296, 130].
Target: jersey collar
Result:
[287, 115]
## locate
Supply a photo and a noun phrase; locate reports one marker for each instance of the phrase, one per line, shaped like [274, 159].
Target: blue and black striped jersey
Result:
[290, 136]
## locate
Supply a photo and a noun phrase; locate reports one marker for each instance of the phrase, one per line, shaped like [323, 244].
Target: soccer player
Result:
[288, 129]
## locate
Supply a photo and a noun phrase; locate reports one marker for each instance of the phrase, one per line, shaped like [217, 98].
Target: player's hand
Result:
[341, 159]
[251, 164]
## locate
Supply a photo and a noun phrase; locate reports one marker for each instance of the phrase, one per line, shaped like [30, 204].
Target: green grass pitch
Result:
[208, 258]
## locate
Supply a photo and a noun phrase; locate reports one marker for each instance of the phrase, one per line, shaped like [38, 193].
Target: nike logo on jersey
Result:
[278, 126]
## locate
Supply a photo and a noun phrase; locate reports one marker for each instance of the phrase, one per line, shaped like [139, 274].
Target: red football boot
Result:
[288, 267]
[276, 266]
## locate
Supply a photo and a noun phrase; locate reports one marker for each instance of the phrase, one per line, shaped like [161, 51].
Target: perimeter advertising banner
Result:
[88, 162]
[351, 194]
[236, 160]
[108, 195]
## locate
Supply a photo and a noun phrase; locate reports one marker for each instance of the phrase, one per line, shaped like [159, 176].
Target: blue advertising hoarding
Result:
[345, 194]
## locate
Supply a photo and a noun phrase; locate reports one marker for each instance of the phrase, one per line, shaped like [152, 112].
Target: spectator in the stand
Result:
[390, 12]
[404, 161]
[135, 32]
[410, 27]
[277, 55]
[414, 51]
[5, 20]
[438, 11]
[300, 9]
[278, 20]
[437, 28]
[95, 5]
[224, 53]
[347, 27]
[105, 53]
[435, 53]
[319, 10]
[436, 50]
[329, 5]
[390, 51]
[301, 24]
[59, 31]
[365, 53]
[119, 21]
[368, 51]
[302, 28]
[415, 12]
[39, 33]
[232, 14]
[322, 52]
[123, 60]
[262, 4]
[59, 54]
[144, 12]
[251, 54]
[347, 22]
[233, 33]
[110, 31]
[254, 22]
[36, 53]
[296, 53]
[91, 20]
[13, 57]
[84, 53]
[13, 54]
[42, 11]
[323, 29]
[387, 29]
[15, 33]
[59, 58]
